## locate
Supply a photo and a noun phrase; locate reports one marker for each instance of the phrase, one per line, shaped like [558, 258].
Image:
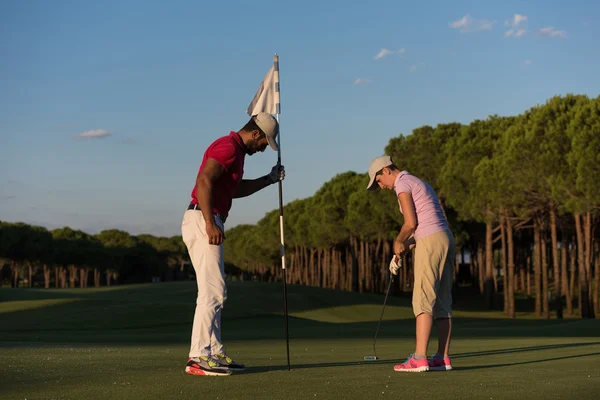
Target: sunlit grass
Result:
[24, 305]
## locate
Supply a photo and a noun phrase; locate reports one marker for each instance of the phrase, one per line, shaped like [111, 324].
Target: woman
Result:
[435, 250]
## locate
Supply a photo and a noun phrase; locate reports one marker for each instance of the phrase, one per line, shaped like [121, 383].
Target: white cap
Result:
[377, 164]
[269, 125]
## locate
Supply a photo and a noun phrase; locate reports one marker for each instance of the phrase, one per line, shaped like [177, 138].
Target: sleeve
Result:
[223, 152]
[402, 187]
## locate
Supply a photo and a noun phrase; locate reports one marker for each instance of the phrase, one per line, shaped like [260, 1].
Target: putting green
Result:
[132, 341]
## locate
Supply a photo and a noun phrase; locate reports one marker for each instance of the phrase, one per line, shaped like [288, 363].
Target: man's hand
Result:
[395, 265]
[214, 233]
[277, 173]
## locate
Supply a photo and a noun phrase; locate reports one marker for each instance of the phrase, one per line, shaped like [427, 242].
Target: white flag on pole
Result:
[266, 98]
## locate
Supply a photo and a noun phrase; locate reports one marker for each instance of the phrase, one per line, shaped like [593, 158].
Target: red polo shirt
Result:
[229, 151]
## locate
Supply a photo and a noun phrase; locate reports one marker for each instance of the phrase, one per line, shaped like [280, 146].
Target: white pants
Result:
[208, 263]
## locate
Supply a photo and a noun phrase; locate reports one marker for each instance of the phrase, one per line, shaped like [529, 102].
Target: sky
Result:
[106, 108]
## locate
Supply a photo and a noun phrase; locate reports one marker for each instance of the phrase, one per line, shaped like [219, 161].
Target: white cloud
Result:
[549, 31]
[469, 24]
[461, 22]
[383, 53]
[516, 20]
[93, 134]
[386, 52]
[362, 81]
[514, 23]
[515, 33]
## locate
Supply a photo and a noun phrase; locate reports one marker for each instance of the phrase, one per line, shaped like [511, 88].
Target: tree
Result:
[583, 197]
[13, 247]
[71, 252]
[39, 251]
[118, 245]
[466, 192]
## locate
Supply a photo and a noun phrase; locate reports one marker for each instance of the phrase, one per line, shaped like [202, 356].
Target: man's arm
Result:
[247, 187]
[204, 184]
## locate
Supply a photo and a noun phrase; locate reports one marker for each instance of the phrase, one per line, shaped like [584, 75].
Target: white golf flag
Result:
[267, 95]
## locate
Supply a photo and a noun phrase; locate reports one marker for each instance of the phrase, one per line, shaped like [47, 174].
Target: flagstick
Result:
[277, 99]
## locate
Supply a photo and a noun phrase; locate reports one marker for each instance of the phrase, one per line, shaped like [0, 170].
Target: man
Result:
[435, 251]
[219, 180]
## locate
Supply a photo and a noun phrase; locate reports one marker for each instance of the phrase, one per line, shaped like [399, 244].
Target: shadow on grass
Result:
[456, 356]
[254, 370]
[524, 362]
[524, 349]
[88, 330]
[163, 314]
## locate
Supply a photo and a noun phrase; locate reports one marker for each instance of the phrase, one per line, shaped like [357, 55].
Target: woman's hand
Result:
[399, 248]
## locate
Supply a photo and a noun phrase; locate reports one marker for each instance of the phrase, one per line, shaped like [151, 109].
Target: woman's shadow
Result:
[459, 356]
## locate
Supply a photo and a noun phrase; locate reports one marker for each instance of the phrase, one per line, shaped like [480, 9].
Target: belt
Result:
[197, 207]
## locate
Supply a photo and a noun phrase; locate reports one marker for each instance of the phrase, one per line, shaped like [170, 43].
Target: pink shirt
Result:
[430, 217]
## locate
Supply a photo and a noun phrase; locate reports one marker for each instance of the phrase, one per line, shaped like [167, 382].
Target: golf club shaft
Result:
[382, 310]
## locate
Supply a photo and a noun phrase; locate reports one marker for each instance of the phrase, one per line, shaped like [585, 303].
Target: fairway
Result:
[131, 342]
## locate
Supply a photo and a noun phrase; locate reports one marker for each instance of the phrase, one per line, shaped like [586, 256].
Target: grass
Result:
[132, 341]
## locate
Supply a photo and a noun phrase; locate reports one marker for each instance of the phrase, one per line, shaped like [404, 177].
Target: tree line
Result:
[68, 258]
[522, 195]
[520, 192]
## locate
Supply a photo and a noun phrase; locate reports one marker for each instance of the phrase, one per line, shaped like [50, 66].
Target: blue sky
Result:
[154, 83]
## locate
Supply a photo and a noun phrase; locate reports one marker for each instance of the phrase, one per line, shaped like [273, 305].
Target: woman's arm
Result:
[409, 226]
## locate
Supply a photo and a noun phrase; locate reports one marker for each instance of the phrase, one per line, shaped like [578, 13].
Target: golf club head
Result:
[371, 358]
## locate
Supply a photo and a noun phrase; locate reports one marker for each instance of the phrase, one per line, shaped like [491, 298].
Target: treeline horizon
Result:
[521, 194]
[68, 258]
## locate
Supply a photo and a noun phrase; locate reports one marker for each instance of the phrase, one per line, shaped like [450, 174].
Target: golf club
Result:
[374, 356]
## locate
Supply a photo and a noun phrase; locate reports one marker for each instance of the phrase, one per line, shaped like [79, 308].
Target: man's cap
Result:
[377, 164]
[269, 125]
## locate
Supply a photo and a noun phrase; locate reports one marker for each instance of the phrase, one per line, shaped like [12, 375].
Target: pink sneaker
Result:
[440, 364]
[413, 365]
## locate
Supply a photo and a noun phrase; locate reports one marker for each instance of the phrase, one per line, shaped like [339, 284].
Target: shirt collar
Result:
[400, 175]
[238, 139]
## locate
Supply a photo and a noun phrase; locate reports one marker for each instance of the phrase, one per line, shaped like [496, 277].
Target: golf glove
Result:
[395, 266]
[277, 173]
